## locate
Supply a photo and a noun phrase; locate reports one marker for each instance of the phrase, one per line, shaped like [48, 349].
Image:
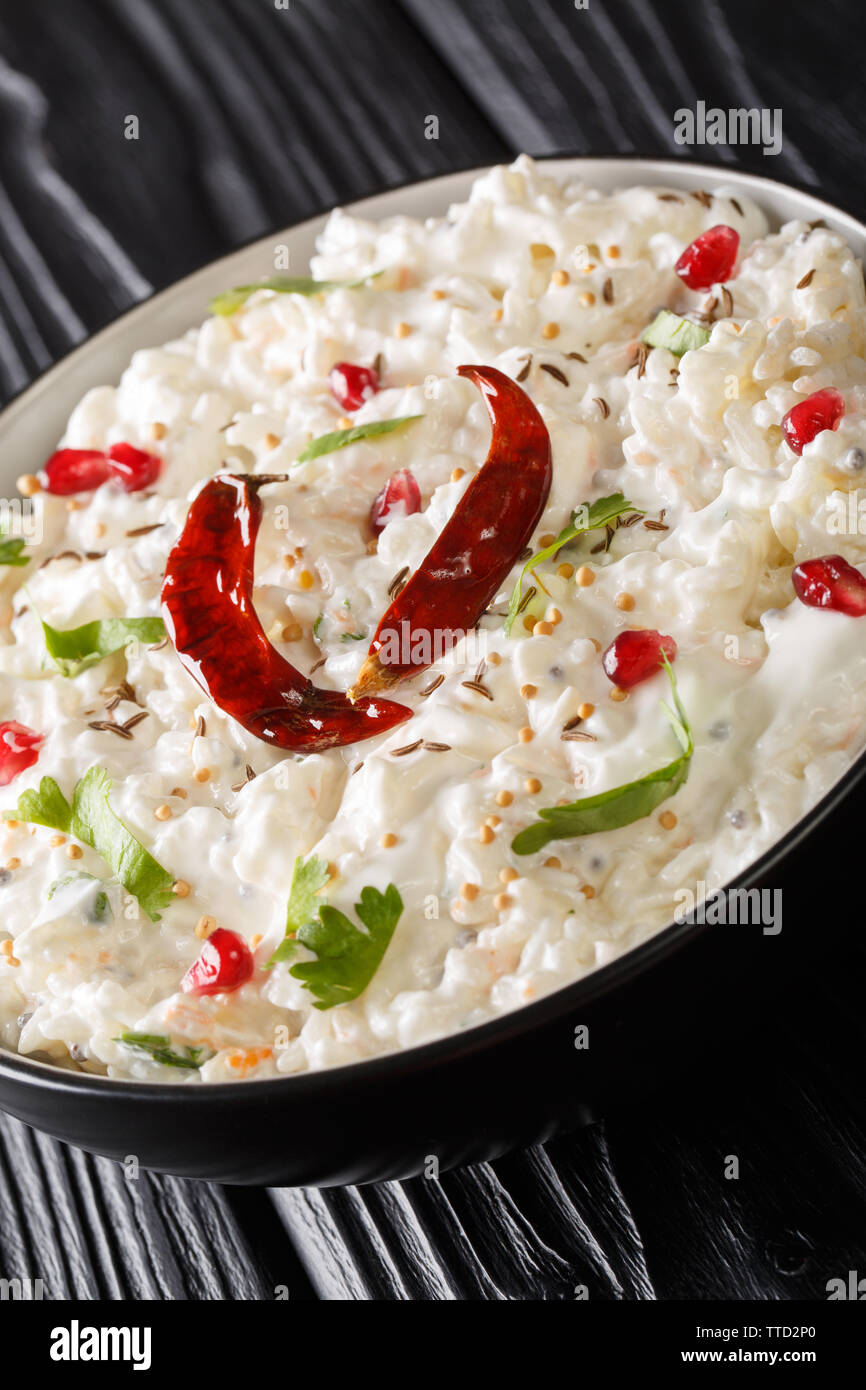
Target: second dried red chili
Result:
[476, 550]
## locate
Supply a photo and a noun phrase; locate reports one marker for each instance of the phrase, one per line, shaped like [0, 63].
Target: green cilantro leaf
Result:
[588, 517]
[10, 551]
[339, 439]
[160, 1049]
[91, 820]
[47, 806]
[621, 805]
[677, 334]
[80, 647]
[231, 300]
[308, 879]
[347, 958]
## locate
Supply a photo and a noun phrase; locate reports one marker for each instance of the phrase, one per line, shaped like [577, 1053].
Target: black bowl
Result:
[518, 1079]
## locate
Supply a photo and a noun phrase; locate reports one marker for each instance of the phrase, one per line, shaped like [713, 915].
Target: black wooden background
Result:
[252, 115]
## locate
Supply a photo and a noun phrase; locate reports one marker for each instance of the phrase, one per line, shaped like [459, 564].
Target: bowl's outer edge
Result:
[73, 1106]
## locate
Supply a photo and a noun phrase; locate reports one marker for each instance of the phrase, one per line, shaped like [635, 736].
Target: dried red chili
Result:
[207, 602]
[475, 552]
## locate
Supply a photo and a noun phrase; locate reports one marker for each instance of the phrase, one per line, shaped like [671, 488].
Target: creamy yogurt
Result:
[527, 273]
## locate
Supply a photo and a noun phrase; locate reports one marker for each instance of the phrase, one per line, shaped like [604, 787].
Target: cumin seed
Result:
[602, 405]
[655, 525]
[200, 727]
[571, 724]
[607, 291]
[576, 357]
[105, 726]
[357, 768]
[641, 355]
[478, 688]
[524, 370]
[434, 685]
[527, 598]
[727, 301]
[146, 530]
[124, 691]
[669, 198]
[705, 199]
[409, 748]
[806, 280]
[577, 736]
[378, 363]
[61, 555]
[737, 206]
[320, 662]
[555, 372]
[133, 720]
[436, 747]
[94, 554]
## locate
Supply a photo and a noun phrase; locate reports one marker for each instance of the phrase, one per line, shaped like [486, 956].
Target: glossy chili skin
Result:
[474, 554]
[207, 600]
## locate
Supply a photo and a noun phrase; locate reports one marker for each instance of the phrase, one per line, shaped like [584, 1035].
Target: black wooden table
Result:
[255, 113]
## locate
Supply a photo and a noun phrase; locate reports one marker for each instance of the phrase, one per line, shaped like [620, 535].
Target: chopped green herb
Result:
[91, 820]
[231, 300]
[354, 636]
[308, 879]
[588, 517]
[80, 647]
[621, 805]
[347, 958]
[99, 909]
[339, 439]
[317, 624]
[11, 548]
[160, 1049]
[677, 334]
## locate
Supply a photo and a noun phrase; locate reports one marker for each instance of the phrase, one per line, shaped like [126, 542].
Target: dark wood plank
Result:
[249, 120]
[90, 1230]
[610, 78]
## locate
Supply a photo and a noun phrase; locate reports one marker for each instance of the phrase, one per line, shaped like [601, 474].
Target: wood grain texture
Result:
[251, 117]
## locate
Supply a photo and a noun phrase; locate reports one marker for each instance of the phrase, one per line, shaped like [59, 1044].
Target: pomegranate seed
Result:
[132, 468]
[351, 385]
[401, 496]
[710, 258]
[19, 749]
[830, 582]
[225, 963]
[821, 411]
[74, 470]
[634, 656]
